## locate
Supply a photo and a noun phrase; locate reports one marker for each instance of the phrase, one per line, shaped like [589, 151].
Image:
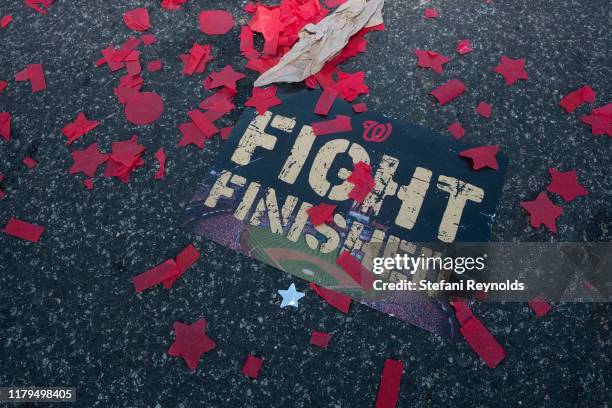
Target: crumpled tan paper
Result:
[321, 42]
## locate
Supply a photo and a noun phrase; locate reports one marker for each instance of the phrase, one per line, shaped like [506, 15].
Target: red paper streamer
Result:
[156, 275]
[24, 230]
[390, 381]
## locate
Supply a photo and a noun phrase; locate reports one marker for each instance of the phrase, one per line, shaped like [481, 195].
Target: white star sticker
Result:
[290, 296]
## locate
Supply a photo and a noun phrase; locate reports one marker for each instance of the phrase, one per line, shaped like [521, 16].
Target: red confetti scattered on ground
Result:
[160, 155]
[566, 185]
[86, 161]
[88, 183]
[483, 156]
[5, 126]
[3, 86]
[540, 306]
[360, 107]
[184, 260]
[456, 130]
[172, 4]
[191, 342]
[24, 230]
[464, 47]
[573, 100]
[512, 70]
[430, 59]
[449, 91]
[227, 77]
[137, 19]
[144, 108]
[390, 381]
[542, 211]
[148, 39]
[484, 109]
[326, 101]
[216, 22]
[263, 99]
[196, 60]
[126, 156]
[251, 366]
[80, 126]
[351, 85]
[356, 270]
[482, 342]
[35, 74]
[5, 21]
[326, 127]
[320, 339]
[321, 214]
[36, 5]
[361, 177]
[600, 120]
[155, 65]
[156, 275]
[29, 162]
[431, 13]
[203, 124]
[337, 300]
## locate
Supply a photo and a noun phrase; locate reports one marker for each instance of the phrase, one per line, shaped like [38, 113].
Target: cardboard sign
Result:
[273, 168]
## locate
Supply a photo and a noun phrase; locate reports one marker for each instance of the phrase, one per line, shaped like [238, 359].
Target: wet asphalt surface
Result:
[68, 312]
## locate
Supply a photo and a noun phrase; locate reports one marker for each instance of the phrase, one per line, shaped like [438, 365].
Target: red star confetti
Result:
[337, 300]
[390, 381]
[172, 4]
[216, 22]
[5, 126]
[573, 100]
[540, 306]
[600, 120]
[431, 13]
[320, 339]
[456, 130]
[79, 127]
[35, 74]
[566, 185]
[360, 107]
[351, 85]
[155, 65]
[542, 211]
[156, 275]
[361, 177]
[29, 162]
[137, 19]
[126, 156]
[342, 123]
[464, 47]
[5, 21]
[86, 161]
[356, 270]
[227, 77]
[3, 86]
[483, 156]
[511, 70]
[482, 342]
[484, 109]
[251, 366]
[88, 183]
[160, 156]
[184, 260]
[144, 108]
[263, 99]
[39, 4]
[195, 62]
[191, 342]
[191, 135]
[326, 101]
[148, 39]
[24, 230]
[449, 91]
[321, 214]
[430, 59]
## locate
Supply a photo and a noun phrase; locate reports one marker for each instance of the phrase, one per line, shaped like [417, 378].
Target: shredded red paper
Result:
[86, 161]
[225, 132]
[483, 156]
[512, 70]
[540, 306]
[600, 120]
[172, 4]
[464, 47]
[431, 59]
[351, 85]
[35, 74]
[542, 211]
[144, 108]
[191, 342]
[216, 22]
[184, 260]
[195, 62]
[125, 157]
[321, 214]
[155, 65]
[342, 123]
[456, 130]
[337, 300]
[3, 85]
[566, 185]
[390, 381]
[462, 311]
[148, 39]
[360, 107]
[227, 77]
[88, 183]
[356, 270]
[251, 366]
[484, 109]
[482, 342]
[24, 230]
[320, 339]
[5, 126]
[5, 21]
[361, 177]
[137, 19]
[326, 101]
[39, 5]
[29, 162]
[263, 99]
[156, 275]
[431, 13]
[573, 100]
[449, 91]
[160, 155]
[79, 127]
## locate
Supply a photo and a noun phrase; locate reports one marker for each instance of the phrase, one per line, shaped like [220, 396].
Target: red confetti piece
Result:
[184, 260]
[191, 342]
[196, 60]
[137, 19]
[351, 85]
[361, 177]
[456, 130]
[540, 306]
[86, 161]
[126, 156]
[356, 270]
[360, 107]
[573, 100]
[263, 99]
[511, 70]
[600, 120]
[204, 124]
[24, 230]
[326, 127]
[483, 156]
[5, 126]
[484, 109]
[29, 162]
[155, 275]
[431, 59]
[483, 342]
[155, 65]
[247, 43]
[216, 22]
[3, 86]
[225, 132]
[462, 311]
[191, 135]
[542, 211]
[449, 91]
[5, 21]
[334, 3]
[227, 77]
[320, 339]
[390, 381]
[148, 39]
[337, 300]
[88, 183]
[35, 74]
[79, 127]
[160, 155]
[321, 214]
[326, 101]
[566, 185]
[431, 13]
[251, 366]
[464, 47]
[36, 5]
[144, 108]
[172, 4]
